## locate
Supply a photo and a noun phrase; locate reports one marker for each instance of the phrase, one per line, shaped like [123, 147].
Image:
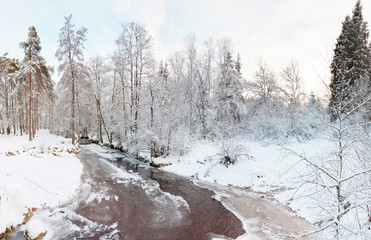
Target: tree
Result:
[265, 84]
[191, 73]
[292, 84]
[97, 71]
[314, 111]
[34, 66]
[351, 62]
[70, 56]
[339, 179]
[159, 101]
[205, 86]
[8, 71]
[230, 87]
[119, 69]
[135, 46]
[292, 89]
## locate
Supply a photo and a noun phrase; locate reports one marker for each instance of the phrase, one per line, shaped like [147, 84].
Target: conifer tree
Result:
[229, 93]
[238, 64]
[351, 62]
[34, 66]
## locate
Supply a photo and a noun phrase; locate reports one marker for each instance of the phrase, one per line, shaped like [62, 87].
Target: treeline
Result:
[26, 90]
[130, 100]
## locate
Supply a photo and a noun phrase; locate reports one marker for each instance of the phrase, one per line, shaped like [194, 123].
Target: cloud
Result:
[273, 30]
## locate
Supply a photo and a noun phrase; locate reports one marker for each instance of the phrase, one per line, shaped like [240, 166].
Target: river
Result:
[121, 198]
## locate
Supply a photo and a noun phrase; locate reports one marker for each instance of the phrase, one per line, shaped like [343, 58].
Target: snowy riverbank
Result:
[261, 168]
[267, 170]
[35, 175]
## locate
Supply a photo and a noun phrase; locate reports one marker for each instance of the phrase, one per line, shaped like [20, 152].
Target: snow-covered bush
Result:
[231, 152]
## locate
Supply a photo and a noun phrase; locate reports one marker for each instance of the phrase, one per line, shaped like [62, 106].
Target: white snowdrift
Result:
[32, 177]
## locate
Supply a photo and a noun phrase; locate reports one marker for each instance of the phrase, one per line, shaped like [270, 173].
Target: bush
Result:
[231, 152]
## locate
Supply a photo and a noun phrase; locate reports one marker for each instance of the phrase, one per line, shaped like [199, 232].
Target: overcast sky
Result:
[273, 30]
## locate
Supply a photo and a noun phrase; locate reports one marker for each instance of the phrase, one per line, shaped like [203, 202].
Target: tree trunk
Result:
[73, 109]
[29, 109]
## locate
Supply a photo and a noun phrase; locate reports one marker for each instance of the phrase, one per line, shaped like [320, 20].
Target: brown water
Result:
[147, 203]
[142, 210]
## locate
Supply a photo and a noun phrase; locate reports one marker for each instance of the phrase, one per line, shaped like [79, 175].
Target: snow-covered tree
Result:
[313, 113]
[230, 87]
[70, 56]
[189, 86]
[33, 68]
[8, 93]
[292, 85]
[134, 46]
[97, 73]
[293, 93]
[264, 86]
[205, 86]
[338, 179]
[351, 63]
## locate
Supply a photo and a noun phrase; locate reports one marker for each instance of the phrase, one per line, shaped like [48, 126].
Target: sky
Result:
[274, 31]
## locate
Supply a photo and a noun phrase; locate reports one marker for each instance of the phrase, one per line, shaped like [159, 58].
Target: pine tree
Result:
[350, 62]
[34, 66]
[229, 93]
[238, 64]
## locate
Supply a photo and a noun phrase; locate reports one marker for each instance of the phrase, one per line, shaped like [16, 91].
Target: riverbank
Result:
[262, 168]
[35, 175]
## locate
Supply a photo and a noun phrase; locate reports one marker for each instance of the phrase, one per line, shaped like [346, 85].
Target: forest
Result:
[144, 106]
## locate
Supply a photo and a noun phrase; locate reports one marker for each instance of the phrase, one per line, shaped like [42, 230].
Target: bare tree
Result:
[191, 73]
[70, 55]
[265, 84]
[340, 178]
[292, 84]
[135, 46]
[97, 71]
[204, 87]
[292, 89]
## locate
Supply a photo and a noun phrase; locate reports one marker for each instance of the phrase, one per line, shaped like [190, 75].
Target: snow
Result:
[12, 209]
[264, 168]
[268, 170]
[34, 228]
[41, 174]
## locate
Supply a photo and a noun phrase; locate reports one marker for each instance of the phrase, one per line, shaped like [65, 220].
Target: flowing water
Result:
[151, 205]
[120, 198]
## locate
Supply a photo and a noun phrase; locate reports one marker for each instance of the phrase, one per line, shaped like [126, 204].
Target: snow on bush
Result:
[231, 152]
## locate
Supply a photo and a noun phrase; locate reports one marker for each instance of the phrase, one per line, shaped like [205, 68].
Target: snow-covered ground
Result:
[262, 168]
[35, 175]
[266, 169]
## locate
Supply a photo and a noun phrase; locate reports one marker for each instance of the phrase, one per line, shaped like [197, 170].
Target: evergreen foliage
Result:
[351, 64]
